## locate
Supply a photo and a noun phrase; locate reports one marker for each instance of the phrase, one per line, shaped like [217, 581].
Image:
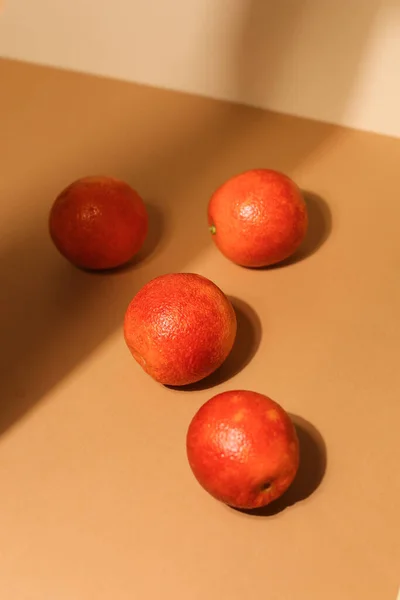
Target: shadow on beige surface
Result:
[174, 149]
[247, 342]
[313, 463]
[318, 231]
[151, 248]
[319, 226]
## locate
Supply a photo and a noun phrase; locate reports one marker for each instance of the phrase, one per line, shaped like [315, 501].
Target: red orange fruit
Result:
[243, 449]
[98, 223]
[180, 328]
[258, 218]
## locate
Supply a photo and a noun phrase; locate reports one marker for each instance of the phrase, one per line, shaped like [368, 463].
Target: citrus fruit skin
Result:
[98, 223]
[180, 327]
[243, 449]
[258, 218]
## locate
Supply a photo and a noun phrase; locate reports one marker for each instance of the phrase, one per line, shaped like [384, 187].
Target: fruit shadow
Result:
[318, 231]
[312, 467]
[247, 342]
[156, 237]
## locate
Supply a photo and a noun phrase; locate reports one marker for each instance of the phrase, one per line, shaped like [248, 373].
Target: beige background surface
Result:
[97, 498]
[332, 60]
